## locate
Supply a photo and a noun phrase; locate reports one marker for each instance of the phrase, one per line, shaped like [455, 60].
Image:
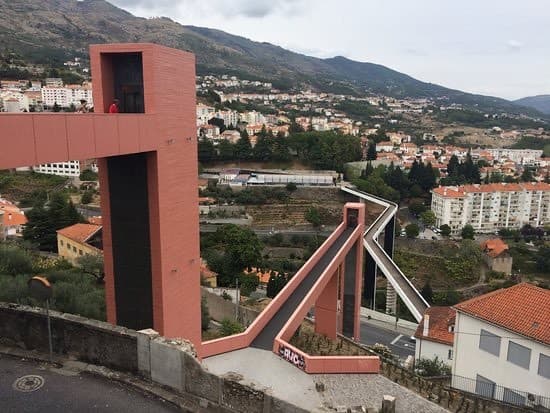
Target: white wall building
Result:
[65, 96]
[491, 207]
[517, 155]
[435, 334]
[502, 346]
[71, 168]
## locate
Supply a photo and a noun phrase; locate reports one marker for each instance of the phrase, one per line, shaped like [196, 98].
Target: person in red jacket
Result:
[114, 106]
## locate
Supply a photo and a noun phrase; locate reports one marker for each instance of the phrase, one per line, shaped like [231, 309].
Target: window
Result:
[68, 246]
[519, 355]
[485, 387]
[544, 366]
[80, 252]
[61, 242]
[74, 248]
[489, 342]
[450, 354]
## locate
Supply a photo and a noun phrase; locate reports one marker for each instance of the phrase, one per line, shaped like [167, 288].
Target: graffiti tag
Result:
[292, 357]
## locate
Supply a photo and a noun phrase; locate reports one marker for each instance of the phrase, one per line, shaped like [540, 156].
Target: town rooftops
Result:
[440, 325]
[523, 309]
[463, 190]
[494, 247]
[79, 232]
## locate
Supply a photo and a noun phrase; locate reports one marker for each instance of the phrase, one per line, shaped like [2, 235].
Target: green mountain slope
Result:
[540, 103]
[51, 31]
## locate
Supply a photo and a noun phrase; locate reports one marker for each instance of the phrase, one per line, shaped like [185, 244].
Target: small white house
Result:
[502, 346]
[435, 335]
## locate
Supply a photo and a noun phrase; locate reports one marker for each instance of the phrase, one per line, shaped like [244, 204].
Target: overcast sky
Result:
[491, 47]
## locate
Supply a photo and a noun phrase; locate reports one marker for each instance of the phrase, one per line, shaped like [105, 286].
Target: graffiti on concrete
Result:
[293, 357]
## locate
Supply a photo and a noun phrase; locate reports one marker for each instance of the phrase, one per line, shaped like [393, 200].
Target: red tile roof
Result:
[441, 318]
[11, 219]
[461, 191]
[79, 232]
[494, 247]
[523, 309]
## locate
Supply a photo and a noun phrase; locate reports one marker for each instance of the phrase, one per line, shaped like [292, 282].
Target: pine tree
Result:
[371, 152]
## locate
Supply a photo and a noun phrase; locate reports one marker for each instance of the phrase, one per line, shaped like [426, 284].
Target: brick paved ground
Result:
[367, 390]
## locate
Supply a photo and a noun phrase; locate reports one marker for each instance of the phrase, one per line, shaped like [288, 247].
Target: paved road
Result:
[65, 391]
[400, 344]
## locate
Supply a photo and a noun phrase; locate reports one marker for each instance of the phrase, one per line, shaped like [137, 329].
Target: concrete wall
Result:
[89, 340]
[220, 308]
[169, 362]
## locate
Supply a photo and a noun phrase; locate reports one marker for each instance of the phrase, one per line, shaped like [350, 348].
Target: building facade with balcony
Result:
[491, 207]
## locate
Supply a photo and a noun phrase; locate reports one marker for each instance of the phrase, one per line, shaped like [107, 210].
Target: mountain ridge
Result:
[56, 30]
[538, 102]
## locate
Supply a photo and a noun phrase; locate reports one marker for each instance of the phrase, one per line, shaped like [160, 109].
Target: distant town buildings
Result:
[12, 220]
[497, 255]
[491, 207]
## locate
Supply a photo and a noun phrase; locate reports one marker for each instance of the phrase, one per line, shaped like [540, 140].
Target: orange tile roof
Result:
[461, 191]
[494, 247]
[438, 325]
[523, 309]
[15, 218]
[79, 232]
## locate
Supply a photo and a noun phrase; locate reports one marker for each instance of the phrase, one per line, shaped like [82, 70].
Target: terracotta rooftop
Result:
[95, 220]
[523, 309]
[461, 191]
[14, 218]
[79, 232]
[441, 318]
[494, 247]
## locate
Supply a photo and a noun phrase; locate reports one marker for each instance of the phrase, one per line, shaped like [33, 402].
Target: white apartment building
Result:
[491, 207]
[502, 346]
[70, 169]
[204, 114]
[65, 96]
[435, 334]
[521, 156]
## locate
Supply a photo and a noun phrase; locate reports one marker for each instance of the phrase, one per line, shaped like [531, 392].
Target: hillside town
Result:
[464, 208]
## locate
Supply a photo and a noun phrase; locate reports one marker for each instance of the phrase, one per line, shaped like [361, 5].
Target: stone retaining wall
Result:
[170, 363]
[220, 308]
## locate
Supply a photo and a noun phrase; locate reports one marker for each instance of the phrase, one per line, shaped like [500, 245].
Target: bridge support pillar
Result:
[326, 309]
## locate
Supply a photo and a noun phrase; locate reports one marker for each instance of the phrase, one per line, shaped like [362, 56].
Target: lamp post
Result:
[41, 289]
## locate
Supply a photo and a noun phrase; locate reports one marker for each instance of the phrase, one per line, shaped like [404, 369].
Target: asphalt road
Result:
[400, 344]
[69, 392]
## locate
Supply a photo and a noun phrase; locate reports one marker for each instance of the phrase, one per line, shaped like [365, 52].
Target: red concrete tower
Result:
[151, 241]
[148, 172]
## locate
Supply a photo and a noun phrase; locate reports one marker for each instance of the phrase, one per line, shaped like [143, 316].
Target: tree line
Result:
[320, 150]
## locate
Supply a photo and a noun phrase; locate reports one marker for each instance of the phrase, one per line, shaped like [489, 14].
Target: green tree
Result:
[313, 216]
[371, 152]
[417, 208]
[467, 232]
[226, 150]
[445, 230]
[14, 261]
[206, 150]
[93, 265]
[428, 218]
[431, 368]
[230, 327]
[43, 222]
[243, 147]
[87, 197]
[88, 175]
[412, 230]
[427, 292]
[248, 284]
[275, 284]
[291, 187]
